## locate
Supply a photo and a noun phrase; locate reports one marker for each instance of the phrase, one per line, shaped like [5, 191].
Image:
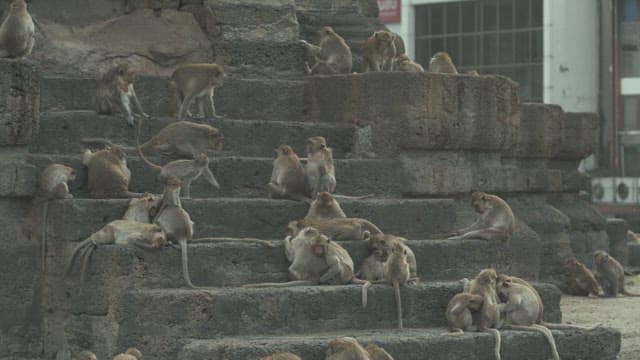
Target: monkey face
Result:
[479, 202]
[326, 31]
[284, 150]
[384, 37]
[159, 240]
[118, 152]
[488, 277]
[325, 198]
[503, 290]
[475, 302]
[201, 160]
[600, 257]
[19, 4]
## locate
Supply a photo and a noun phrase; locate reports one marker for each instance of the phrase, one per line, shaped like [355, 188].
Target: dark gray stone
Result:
[20, 109]
[617, 231]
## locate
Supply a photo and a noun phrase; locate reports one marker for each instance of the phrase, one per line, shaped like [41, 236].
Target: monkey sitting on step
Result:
[108, 173]
[346, 348]
[331, 56]
[495, 222]
[17, 32]
[580, 280]
[441, 63]
[378, 51]
[115, 92]
[339, 229]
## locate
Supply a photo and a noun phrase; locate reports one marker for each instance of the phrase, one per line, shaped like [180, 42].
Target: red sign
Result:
[389, 10]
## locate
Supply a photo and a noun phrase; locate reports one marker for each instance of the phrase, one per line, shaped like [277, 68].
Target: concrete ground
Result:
[622, 313]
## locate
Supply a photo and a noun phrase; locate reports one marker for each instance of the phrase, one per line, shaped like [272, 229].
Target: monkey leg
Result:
[276, 191]
[137, 102]
[185, 189]
[184, 107]
[214, 114]
[125, 104]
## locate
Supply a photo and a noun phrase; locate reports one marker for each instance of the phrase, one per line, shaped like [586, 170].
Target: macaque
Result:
[383, 243]
[130, 354]
[331, 56]
[495, 222]
[396, 272]
[336, 229]
[346, 348]
[488, 318]
[441, 63]
[459, 312]
[325, 207]
[378, 353]
[108, 173]
[378, 51]
[288, 177]
[17, 32]
[319, 170]
[404, 63]
[580, 280]
[610, 274]
[142, 209]
[196, 82]
[115, 92]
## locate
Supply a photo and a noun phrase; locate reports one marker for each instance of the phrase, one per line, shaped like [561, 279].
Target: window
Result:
[492, 36]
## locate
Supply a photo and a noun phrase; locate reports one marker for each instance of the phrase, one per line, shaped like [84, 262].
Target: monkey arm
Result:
[335, 269]
[514, 303]
[288, 249]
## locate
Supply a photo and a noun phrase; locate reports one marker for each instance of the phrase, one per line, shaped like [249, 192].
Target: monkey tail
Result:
[185, 264]
[74, 254]
[396, 288]
[349, 197]
[177, 101]
[85, 260]
[139, 149]
[45, 207]
[227, 239]
[496, 335]
[624, 291]
[365, 288]
[372, 228]
[569, 326]
[544, 331]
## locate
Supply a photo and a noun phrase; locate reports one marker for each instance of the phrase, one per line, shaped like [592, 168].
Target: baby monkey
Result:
[114, 92]
[396, 272]
[378, 51]
[459, 312]
[404, 63]
[325, 207]
[196, 82]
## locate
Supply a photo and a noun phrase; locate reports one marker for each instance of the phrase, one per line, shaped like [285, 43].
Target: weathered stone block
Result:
[617, 232]
[20, 108]
[17, 178]
[541, 130]
[579, 135]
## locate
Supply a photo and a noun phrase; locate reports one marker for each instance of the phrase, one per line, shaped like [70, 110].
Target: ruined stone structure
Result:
[436, 138]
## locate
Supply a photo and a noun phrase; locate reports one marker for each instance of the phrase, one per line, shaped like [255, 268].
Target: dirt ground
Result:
[622, 313]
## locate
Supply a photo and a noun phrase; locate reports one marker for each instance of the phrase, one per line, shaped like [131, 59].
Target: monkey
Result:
[472, 73]
[337, 229]
[378, 353]
[319, 170]
[383, 243]
[372, 267]
[580, 280]
[282, 356]
[610, 274]
[378, 51]
[119, 232]
[288, 176]
[142, 209]
[522, 310]
[496, 220]
[195, 82]
[86, 355]
[441, 63]
[185, 170]
[17, 32]
[632, 237]
[346, 348]
[315, 259]
[396, 272]
[130, 354]
[332, 55]
[325, 207]
[53, 185]
[404, 63]
[108, 173]
[182, 139]
[459, 311]
[176, 222]
[115, 92]
[488, 318]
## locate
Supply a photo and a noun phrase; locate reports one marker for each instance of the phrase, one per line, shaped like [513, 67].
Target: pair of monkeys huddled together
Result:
[607, 279]
[344, 348]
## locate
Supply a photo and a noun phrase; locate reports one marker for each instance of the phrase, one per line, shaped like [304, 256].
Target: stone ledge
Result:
[20, 110]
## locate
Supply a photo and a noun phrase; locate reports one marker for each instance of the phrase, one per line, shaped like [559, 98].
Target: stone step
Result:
[634, 255]
[241, 176]
[60, 133]
[236, 263]
[416, 344]
[252, 99]
[75, 219]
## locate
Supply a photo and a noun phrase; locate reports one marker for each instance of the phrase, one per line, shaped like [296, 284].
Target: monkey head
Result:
[440, 57]
[326, 31]
[134, 352]
[172, 182]
[339, 345]
[480, 201]
[399, 250]
[284, 150]
[325, 198]
[127, 73]
[19, 5]
[488, 277]
[316, 143]
[470, 301]
[202, 160]
[383, 38]
[71, 173]
[600, 257]
[146, 201]
[118, 152]
[86, 355]
[158, 238]
[379, 246]
[503, 290]
[319, 243]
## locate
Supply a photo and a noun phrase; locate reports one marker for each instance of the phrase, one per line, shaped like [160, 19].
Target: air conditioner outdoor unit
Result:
[626, 190]
[603, 190]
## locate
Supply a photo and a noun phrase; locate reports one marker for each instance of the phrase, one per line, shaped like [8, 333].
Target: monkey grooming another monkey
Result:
[142, 209]
[378, 353]
[441, 63]
[488, 318]
[385, 242]
[331, 56]
[17, 32]
[580, 280]
[288, 177]
[53, 185]
[459, 312]
[404, 63]
[119, 232]
[325, 207]
[522, 311]
[195, 82]
[317, 260]
[346, 348]
[115, 92]
[396, 272]
[610, 274]
[378, 51]
[130, 354]
[496, 220]
[108, 173]
[182, 139]
[337, 229]
[281, 356]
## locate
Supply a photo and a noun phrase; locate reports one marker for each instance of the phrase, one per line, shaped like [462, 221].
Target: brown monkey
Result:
[182, 139]
[396, 272]
[378, 51]
[522, 310]
[472, 73]
[337, 229]
[142, 209]
[496, 220]
[86, 355]
[332, 55]
[17, 32]
[288, 177]
[320, 171]
[108, 173]
[378, 353]
[372, 268]
[317, 260]
[488, 318]
[459, 312]
[114, 92]
[281, 356]
[325, 207]
[195, 82]
[383, 243]
[346, 348]
[119, 232]
[176, 222]
[404, 63]
[610, 274]
[53, 185]
[130, 354]
[580, 280]
[441, 63]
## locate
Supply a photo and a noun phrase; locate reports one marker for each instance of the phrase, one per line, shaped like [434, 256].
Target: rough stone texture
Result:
[17, 178]
[19, 110]
[617, 232]
[634, 255]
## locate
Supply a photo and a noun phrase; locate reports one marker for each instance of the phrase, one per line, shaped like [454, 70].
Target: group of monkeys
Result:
[489, 302]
